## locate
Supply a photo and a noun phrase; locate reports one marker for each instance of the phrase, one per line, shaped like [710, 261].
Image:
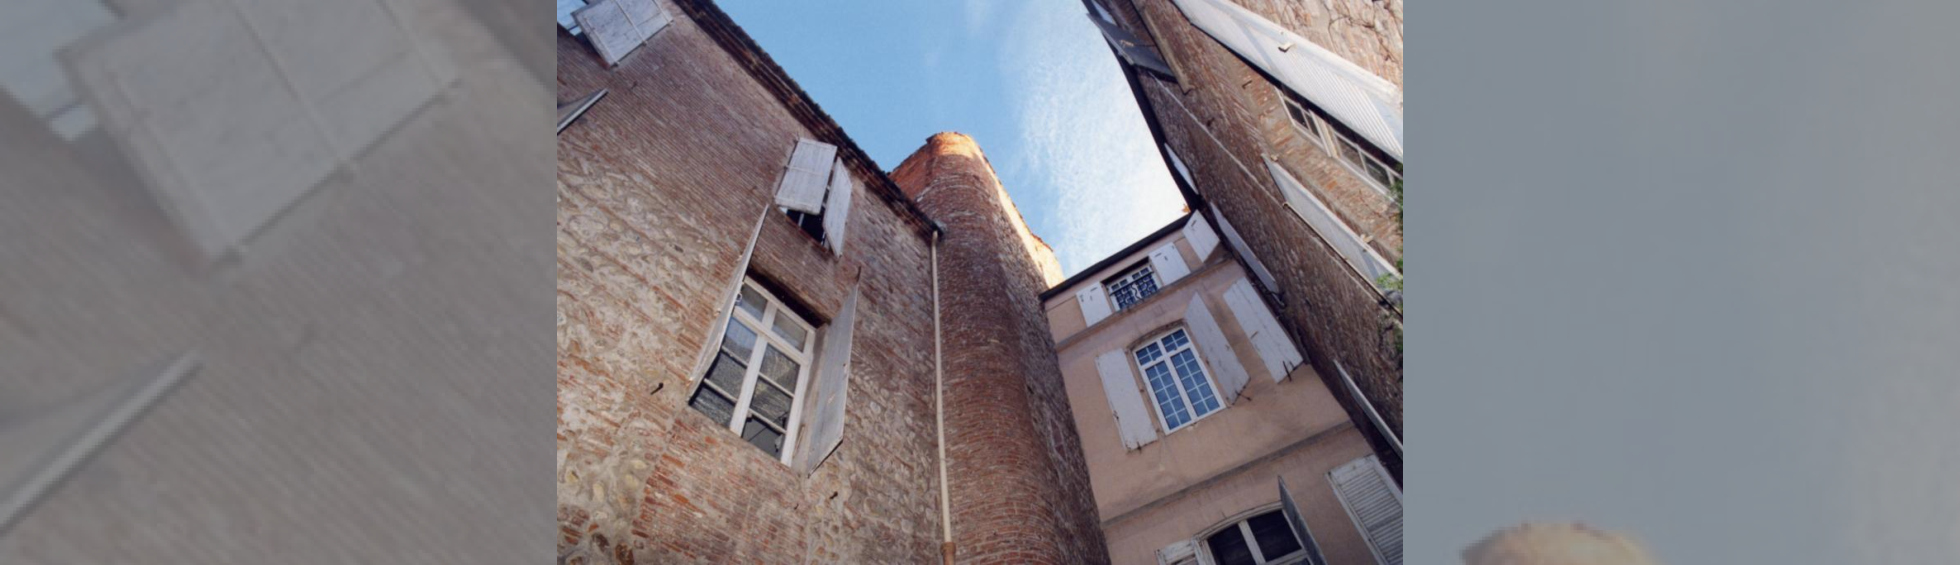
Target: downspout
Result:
[946, 547]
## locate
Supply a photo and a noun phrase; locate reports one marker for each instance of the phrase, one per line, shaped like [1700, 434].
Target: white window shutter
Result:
[1169, 264]
[1202, 239]
[1180, 553]
[1238, 246]
[837, 207]
[826, 410]
[1095, 304]
[1263, 330]
[807, 175]
[1330, 227]
[1125, 399]
[1374, 504]
[1225, 367]
[727, 297]
[616, 27]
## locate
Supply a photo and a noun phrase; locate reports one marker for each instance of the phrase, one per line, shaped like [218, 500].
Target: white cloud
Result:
[1084, 136]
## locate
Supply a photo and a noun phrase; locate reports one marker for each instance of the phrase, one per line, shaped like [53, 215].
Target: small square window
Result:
[1132, 286]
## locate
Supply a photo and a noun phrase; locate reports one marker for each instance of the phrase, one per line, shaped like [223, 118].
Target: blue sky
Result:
[1033, 82]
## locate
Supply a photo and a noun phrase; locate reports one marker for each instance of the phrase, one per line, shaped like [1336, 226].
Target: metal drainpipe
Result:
[946, 547]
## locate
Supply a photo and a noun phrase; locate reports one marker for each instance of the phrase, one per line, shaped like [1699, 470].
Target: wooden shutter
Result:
[616, 27]
[1133, 50]
[837, 207]
[1330, 227]
[1262, 329]
[727, 297]
[1180, 553]
[1202, 239]
[826, 409]
[1238, 246]
[1169, 264]
[1299, 525]
[807, 176]
[1225, 367]
[1095, 304]
[1125, 399]
[1374, 504]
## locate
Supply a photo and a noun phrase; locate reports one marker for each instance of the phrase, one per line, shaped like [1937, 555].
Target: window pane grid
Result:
[1179, 386]
[1132, 287]
[755, 382]
[1257, 540]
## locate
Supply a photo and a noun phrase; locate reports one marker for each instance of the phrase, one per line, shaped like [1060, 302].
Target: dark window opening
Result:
[811, 223]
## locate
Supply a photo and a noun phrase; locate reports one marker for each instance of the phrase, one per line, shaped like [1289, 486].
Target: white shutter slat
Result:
[826, 409]
[1094, 303]
[727, 297]
[1374, 504]
[837, 207]
[1202, 239]
[1217, 351]
[1169, 264]
[617, 27]
[1125, 399]
[1238, 246]
[1276, 350]
[806, 177]
[1180, 553]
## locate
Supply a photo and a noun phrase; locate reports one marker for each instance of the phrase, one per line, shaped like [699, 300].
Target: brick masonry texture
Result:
[1222, 115]
[1020, 486]
[659, 187]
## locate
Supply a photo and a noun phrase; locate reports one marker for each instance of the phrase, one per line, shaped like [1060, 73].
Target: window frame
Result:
[1142, 371]
[1242, 522]
[1335, 144]
[1110, 285]
[766, 337]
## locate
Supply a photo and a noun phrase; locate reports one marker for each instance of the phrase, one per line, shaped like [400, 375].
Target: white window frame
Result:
[1313, 130]
[1190, 344]
[1240, 522]
[774, 310]
[1128, 277]
[1332, 143]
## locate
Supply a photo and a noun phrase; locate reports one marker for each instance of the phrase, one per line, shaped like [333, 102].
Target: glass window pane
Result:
[1195, 386]
[1165, 393]
[739, 340]
[718, 408]
[761, 435]
[1351, 153]
[770, 403]
[1148, 354]
[1228, 547]
[1176, 339]
[790, 332]
[752, 302]
[1274, 536]
[779, 368]
[727, 375]
[1379, 172]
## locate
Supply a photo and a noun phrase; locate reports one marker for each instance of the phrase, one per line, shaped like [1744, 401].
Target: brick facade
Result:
[660, 185]
[1222, 116]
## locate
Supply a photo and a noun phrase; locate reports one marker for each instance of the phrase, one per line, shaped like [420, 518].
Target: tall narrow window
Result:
[1179, 387]
[1259, 540]
[758, 376]
[1132, 286]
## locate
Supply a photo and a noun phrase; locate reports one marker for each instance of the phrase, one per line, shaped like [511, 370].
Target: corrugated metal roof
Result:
[1362, 101]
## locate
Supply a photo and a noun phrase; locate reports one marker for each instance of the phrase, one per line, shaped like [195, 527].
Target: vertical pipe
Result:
[939, 399]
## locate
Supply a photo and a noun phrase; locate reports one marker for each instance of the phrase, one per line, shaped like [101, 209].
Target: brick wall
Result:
[1222, 116]
[1019, 485]
[659, 186]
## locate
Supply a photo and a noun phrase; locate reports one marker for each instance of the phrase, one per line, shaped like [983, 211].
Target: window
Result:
[1179, 387]
[816, 190]
[755, 384]
[1364, 163]
[1304, 120]
[1132, 286]
[1263, 538]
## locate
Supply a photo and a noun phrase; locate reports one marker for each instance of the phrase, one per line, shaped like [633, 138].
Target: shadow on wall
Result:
[1556, 544]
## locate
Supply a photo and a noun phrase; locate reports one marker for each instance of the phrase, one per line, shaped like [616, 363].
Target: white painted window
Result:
[1313, 126]
[756, 382]
[1133, 286]
[1263, 538]
[1179, 387]
[816, 190]
[1374, 503]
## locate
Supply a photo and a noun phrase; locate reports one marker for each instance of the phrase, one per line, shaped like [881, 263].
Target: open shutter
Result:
[1374, 504]
[1133, 50]
[1299, 525]
[1095, 304]
[1125, 399]
[616, 27]
[1263, 330]
[1330, 227]
[1169, 264]
[837, 207]
[1238, 246]
[727, 298]
[1225, 367]
[1202, 239]
[826, 409]
[806, 177]
[1180, 553]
